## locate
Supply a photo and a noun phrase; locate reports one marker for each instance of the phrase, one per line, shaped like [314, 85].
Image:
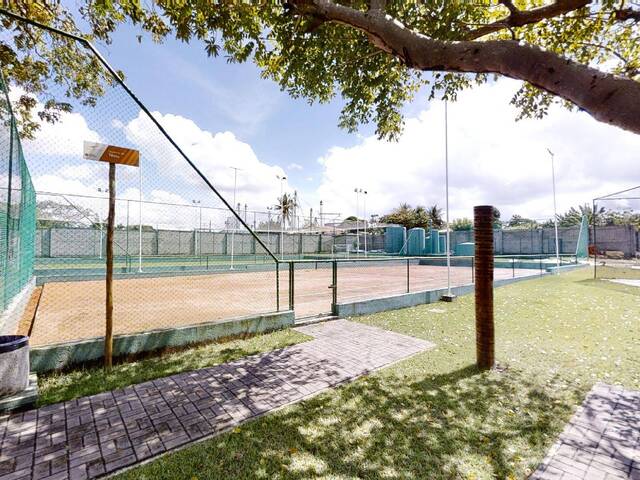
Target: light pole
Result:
[365, 222]
[449, 296]
[282, 180]
[555, 210]
[127, 236]
[358, 191]
[139, 218]
[235, 220]
[198, 204]
[101, 190]
[269, 210]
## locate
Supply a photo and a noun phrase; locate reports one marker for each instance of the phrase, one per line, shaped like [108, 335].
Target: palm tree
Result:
[287, 206]
[435, 215]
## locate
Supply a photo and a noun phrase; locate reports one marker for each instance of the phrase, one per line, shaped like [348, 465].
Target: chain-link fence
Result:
[183, 255]
[615, 237]
[17, 214]
[317, 287]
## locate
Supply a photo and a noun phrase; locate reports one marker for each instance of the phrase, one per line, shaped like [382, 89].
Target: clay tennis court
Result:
[69, 311]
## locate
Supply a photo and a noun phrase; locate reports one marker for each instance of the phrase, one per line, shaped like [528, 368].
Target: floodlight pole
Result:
[282, 179]
[357, 190]
[446, 182]
[233, 228]
[127, 237]
[555, 211]
[139, 219]
[365, 222]
[101, 227]
[198, 243]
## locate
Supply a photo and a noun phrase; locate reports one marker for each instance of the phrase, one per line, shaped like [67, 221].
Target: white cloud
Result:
[492, 159]
[294, 166]
[214, 154]
[62, 138]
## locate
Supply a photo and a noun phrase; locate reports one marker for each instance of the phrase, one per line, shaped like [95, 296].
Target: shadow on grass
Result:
[611, 286]
[463, 424]
[57, 387]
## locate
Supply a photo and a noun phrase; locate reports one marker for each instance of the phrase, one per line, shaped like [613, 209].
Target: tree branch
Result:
[608, 98]
[520, 18]
[627, 14]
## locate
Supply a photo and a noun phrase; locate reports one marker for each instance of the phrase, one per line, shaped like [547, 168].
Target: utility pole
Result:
[198, 204]
[357, 190]
[555, 210]
[235, 219]
[365, 223]
[449, 296]
[139, 219]
[282, 179]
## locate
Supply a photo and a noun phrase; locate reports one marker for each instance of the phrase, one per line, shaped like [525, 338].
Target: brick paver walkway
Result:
[601, 442]
[94, 435]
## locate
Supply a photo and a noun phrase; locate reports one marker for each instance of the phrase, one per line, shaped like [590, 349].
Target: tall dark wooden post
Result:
[483, 232]
[108, 337]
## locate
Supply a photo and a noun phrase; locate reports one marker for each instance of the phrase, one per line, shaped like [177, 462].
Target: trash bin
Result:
[14, 364]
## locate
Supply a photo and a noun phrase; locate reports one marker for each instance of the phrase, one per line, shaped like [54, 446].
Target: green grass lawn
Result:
[434, 415]
[57, 387]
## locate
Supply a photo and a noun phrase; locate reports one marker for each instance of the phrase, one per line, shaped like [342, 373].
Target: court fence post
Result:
[513, 267]
[540, 263]
[334, 287]
[277, 286]
[292, 277]
[408, 284]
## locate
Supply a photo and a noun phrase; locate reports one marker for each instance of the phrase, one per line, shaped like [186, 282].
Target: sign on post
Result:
[112, 155]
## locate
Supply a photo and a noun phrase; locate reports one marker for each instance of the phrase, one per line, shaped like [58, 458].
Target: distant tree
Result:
[50, 213]
[351, 218]
[462, 224]
[520, 222]
[287, 206]
[419, 216]
[497, 223]
[401, 215]
[574, 215]
[435, 216]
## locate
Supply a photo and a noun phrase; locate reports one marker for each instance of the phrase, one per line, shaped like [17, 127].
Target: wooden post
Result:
[108, 337]
[483, 231]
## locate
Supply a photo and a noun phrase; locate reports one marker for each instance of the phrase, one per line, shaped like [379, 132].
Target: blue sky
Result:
[179, 78]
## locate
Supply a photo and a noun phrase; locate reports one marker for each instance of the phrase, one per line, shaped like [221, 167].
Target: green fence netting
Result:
[17, 208]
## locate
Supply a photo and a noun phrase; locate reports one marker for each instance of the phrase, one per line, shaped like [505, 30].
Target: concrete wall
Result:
[365, 307]
[622, 238]
[86, 242]
[56, 357]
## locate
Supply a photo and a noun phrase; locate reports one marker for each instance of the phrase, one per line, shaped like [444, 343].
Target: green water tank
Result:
[394, 239]
[434, 240]
[415, 241]
[466, 249]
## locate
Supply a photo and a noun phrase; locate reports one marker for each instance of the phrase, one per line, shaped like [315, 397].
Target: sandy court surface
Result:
[75, 310]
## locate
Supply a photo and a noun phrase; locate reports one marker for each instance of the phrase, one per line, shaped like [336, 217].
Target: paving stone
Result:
[601, 442]
[97, 435]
